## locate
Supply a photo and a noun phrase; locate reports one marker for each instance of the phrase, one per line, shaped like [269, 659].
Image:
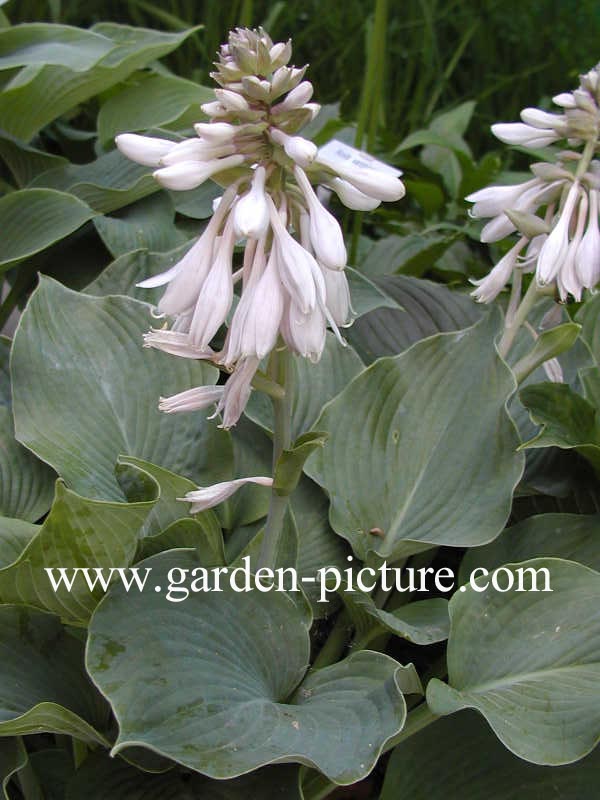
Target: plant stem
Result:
[416, 720]
[336, 642]
[280, 372]
[30, 787]
[519, 317]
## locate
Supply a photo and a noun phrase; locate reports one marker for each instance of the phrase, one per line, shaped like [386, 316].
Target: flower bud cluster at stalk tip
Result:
[555, 213]
[293, 284]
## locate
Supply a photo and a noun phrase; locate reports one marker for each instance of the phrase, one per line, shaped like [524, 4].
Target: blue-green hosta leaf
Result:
[86, 391]
[412, 254]
[138, 478]
[314, 384]
[122, 275]
[26, 162]
[129, 110]
[574, 537]
[148, 224]
[471, 763]
[15, 535]
[529, 661]
[422, 622]
[77, 533]
[100, 777]
[40, 94]
[33, 219]
[397, 434]
[429, 308]
[365, 295]
[43, 43]
[43, 683]
[589, 318]
[26, 484]
[318, 546]
[218, 682]
[53, 767]
[568, 420]
[106, 184]
[13, 757]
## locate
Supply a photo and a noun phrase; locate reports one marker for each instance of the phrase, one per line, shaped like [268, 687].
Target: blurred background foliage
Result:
[503, 54]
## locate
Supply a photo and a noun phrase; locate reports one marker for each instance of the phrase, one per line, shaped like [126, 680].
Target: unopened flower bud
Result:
[146, 150]
[187, 175]
[300, 150]
[325, 232]
[351, 197]
[251, 212]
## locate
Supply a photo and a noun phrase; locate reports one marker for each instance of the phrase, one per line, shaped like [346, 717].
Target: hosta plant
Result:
[286, 524]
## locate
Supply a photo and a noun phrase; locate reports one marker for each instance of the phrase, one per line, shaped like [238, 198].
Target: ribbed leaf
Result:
[33, 219]
[459, 758]
[39, 94]
[13, 757]
[138, 480]
[423, 622]
[15, 535]
[218, 682]
[121, 276]
[529, 662]
[101, 777]
[77, 533]
[43, 683]
[85, 391]
[574, 537]
[26, 484]
[397, 434]
[129, 109]
[106, 184]
[148, 224]
[42, 43]
[429, 308]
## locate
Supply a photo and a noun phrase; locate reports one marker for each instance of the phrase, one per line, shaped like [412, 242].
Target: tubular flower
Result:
[555, 213]
[292, 279]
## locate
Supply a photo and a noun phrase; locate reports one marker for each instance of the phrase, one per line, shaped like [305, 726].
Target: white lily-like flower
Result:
[216, 294]
[216, 132]
[295, 264]
[379, 185]
[251, 213]
[300, 150]
[555, 247]
[146, 150]
[587, 259]
[568, 281]
[196, 150]
[177, 343]
[351, 197]
[490, 287]
[186, 175]
[210, 496]
[338, 296]
[186, 278]
[297, 98]
[325, 233]
[493, 200]
[237, 392]
[529, 201]
[255, 324]
[292, 281]
[191, 399]
[525, 135]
